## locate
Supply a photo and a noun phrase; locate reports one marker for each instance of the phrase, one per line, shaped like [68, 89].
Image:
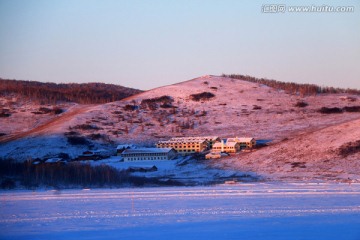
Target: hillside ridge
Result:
[53, 93]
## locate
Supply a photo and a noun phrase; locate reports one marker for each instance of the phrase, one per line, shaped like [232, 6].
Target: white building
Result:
[148, 154]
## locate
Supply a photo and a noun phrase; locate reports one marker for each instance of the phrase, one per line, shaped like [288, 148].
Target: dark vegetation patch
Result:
[301, 104]
[153, 103]
[215, 88]
[5, 114]
[71, 133]
[202, 113]
[116, 112]
[7, 184]
[298, 165]
[256, 107]
[2, 134]
[292, 88]
[73, 174]
[202, 96]
[349, 148]
[86, 127]
[326, 110]
[142, 169]
[77, 140]
[96, 136]
[51, 93]
[57, 110]
[44, 110]
[129, 107]
[166, 105]
[352, 109]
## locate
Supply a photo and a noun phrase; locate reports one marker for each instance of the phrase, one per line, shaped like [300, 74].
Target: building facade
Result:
[148, 154]
[188, 145]
[228, 147]
[245, 143]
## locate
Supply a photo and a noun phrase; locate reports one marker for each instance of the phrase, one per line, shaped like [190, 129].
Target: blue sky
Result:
[146, 44]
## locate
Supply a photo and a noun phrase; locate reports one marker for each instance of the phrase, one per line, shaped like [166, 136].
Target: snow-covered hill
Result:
[332, 153]
[233, 108]
[238, 108]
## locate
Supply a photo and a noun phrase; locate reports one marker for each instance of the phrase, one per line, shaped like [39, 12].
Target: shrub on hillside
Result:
[129, 107]
[301, 104]
[45, 110]
[57, 110]
[349, 148]
[352, 109]
[77, 140]
[326, 110]
[87, 127]
[202, 96]
[96, 136]
[3, 114]
[152, 103]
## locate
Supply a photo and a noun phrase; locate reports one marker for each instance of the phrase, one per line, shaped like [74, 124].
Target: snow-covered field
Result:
[241, 211]
[186, 170]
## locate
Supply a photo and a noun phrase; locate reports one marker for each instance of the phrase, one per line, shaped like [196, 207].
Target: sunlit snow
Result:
[240, 211]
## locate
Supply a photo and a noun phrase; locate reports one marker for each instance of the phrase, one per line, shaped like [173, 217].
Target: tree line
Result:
[52, 93]
[69, 174]
[291, 87]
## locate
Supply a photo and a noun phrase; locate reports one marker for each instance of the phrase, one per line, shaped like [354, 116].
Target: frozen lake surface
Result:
[241, 211]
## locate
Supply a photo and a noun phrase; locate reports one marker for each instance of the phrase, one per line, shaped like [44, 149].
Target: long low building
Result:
[189, 145]
[148, 154]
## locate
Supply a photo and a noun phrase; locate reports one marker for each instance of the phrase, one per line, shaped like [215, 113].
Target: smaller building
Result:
[94, 155]
[148, 154]
[245, 143]
[228, 147]
[121, 148]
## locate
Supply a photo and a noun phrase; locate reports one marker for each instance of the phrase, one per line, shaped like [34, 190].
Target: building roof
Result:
[183, 141]
[227, 144]
[147, 150]
[194, 138]
[243, 139]
[124, 146]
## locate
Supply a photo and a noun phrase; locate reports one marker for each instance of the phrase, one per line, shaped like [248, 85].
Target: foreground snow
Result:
[243, 211]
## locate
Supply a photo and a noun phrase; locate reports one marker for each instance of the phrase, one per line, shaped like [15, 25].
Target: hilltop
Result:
[52, 93]
[291, 122]
[26, 105]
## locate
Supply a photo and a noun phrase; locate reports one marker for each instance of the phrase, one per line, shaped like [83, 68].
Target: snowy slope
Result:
[309, 156]
[239, 108]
